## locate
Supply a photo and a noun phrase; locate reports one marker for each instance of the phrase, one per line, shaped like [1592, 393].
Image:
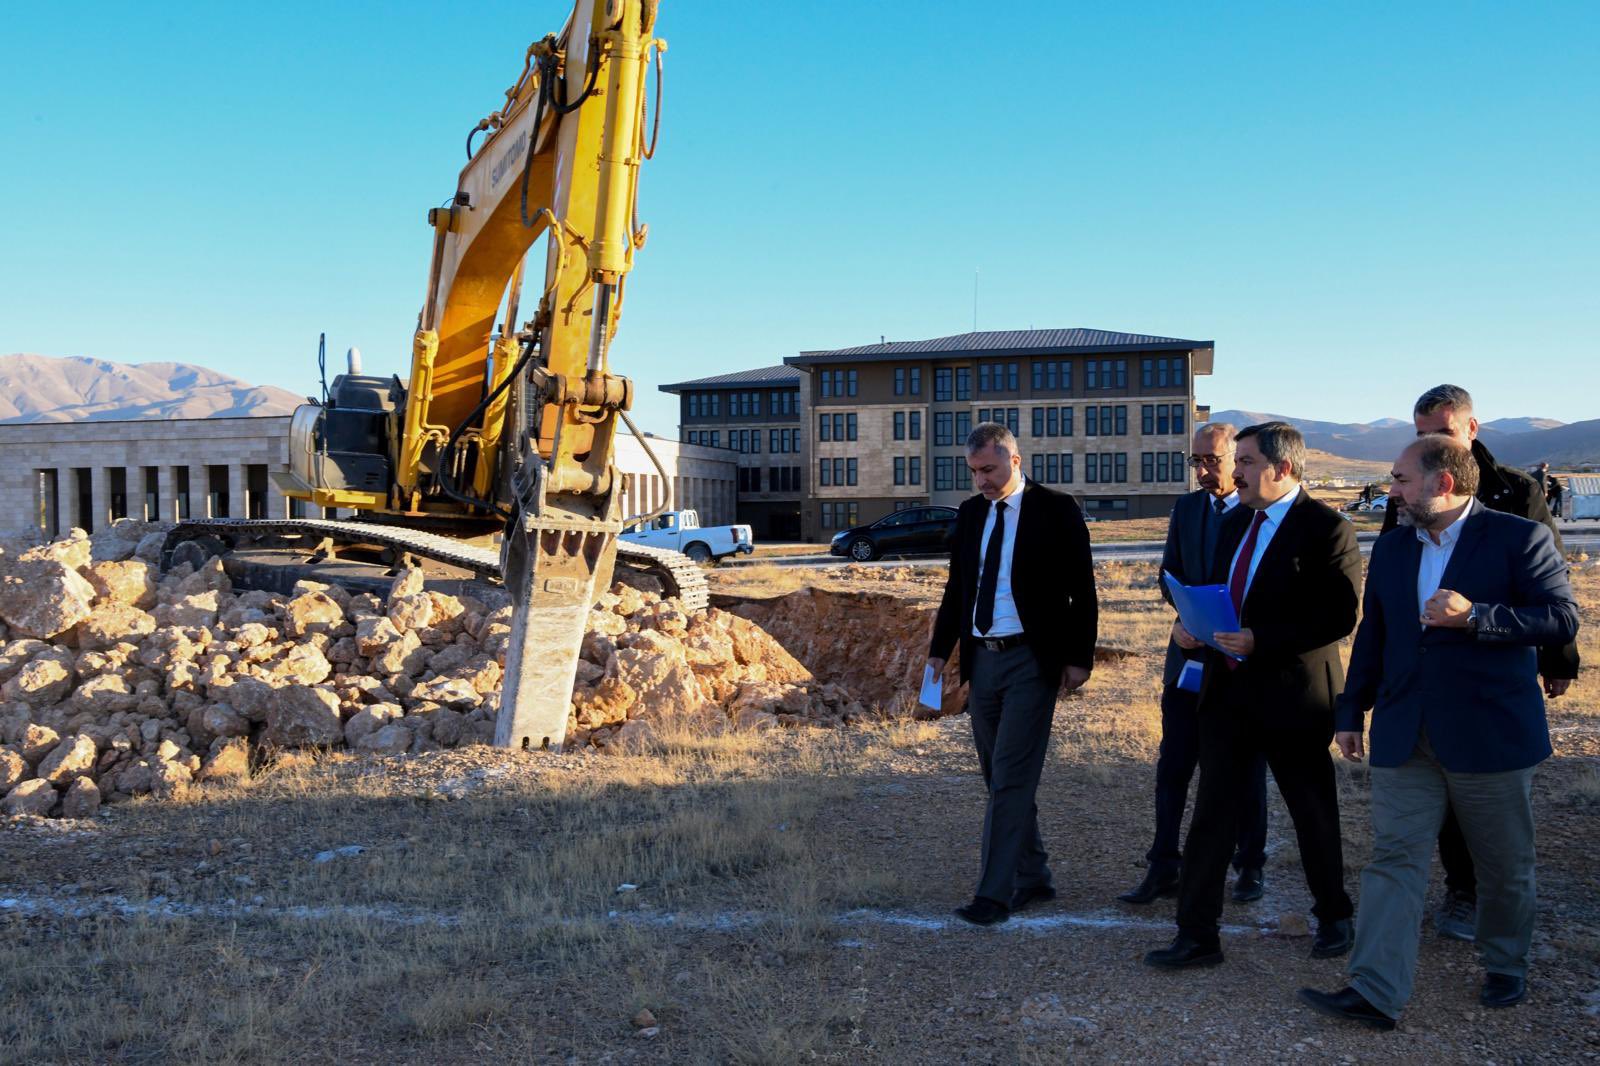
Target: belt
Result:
[1016, 640]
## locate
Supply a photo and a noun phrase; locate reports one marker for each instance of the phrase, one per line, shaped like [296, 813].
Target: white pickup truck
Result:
[682, 531]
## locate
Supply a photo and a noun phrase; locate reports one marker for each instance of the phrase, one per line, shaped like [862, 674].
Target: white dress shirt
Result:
[1435, 557]
[1269, 526]
[1007, 622]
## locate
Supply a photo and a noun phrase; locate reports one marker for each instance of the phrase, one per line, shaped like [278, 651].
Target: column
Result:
[166, 495]
[237, 480]
[199, 491]
[100, 495]
[66, 499]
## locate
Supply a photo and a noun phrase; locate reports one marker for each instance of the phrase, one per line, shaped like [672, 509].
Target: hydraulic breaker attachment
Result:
[553, 562]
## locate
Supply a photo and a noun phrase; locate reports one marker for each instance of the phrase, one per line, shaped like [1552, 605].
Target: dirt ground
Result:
[773, 898]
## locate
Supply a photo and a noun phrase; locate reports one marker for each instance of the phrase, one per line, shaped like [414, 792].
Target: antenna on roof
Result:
[881, 340]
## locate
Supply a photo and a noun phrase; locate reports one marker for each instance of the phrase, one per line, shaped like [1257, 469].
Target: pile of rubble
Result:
[117, 681]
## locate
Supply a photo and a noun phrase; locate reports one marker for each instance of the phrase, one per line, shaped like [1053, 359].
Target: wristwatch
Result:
[1472, 619]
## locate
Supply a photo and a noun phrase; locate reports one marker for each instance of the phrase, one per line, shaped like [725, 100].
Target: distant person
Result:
[1368, 491]
[1457, 719]
[1291, 564]
[1553, 497]
[1193, 532]
[1447, 410]
[1541, 475]
[1020, 602]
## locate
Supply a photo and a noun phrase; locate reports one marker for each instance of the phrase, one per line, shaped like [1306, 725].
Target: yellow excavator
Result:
[503, 429]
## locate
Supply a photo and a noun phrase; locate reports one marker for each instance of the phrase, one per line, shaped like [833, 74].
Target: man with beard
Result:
[1446, 410]
[1291, 566]
[1193, 531]
[1455, 605]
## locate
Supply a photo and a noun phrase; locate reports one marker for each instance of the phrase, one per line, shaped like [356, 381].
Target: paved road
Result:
[1585, 537]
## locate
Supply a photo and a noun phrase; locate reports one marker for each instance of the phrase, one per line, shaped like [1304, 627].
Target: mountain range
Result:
[1518, 442]
[45, 388]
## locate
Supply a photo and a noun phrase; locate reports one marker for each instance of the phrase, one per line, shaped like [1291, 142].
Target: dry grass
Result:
[543, 959]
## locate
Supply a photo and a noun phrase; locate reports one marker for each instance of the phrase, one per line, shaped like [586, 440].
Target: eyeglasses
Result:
[1207, 460]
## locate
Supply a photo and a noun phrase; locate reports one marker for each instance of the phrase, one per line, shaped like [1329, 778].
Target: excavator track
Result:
[679, 575]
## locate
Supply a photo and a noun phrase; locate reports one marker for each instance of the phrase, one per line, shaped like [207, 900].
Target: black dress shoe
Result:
[1503, 990]
[1184, 952]
[1348, 1004]
[1032, 894]
[1333, 939]
[983, 911]
[1156, 884]
[1249, 886]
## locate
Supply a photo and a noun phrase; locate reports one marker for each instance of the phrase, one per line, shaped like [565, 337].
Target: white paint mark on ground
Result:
[721, 922]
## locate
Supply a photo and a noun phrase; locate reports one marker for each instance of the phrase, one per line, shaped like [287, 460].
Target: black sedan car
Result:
[912, 531]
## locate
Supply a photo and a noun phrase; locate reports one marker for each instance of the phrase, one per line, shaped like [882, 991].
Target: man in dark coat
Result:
[1447, 410]
[1020, 602]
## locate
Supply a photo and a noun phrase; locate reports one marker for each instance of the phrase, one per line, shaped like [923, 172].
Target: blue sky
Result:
[1354, 201]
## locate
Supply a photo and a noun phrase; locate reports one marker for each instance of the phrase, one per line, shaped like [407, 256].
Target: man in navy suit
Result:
[1458, 600]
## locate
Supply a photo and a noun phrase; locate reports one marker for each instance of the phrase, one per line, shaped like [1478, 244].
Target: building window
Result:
[1147, 466]
[850, 383]
[916, 425]
[899, 470]
[1091, 469]
[963, 426]
[963, 383]
[850, 471]
[1038, 468]
[716, 438]
[1147, 418]
[823, 423]
[1066, 468]
[942, 423]
[1013, 422]
[1122, 420]
[850, 423]
[1180, 467]
[941, 383]
[1091, 421]
[899, 425]
[943, 473]
[824, 468]
[1177, 419]
[694, 404]
[838, 472]
[755, 442]
[916, 381]
[984, 380]
[827, 516]
[899, 381]
[1122, 374]
[1163, 466]
[1038, 421]
[916, 470]
[775, 441]
[1120, 459]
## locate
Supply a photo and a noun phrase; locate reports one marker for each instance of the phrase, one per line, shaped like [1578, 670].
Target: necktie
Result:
[991, 570]
[1241, 569]
[1208, 528]
[1219, 505]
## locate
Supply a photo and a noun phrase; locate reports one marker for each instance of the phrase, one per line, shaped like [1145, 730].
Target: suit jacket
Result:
[1052, 582]
[1185, 558]
[1301, 603]
[1477, 694]
[1510, 491]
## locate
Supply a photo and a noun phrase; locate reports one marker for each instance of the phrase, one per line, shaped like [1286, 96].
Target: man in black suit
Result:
[1292, 567]
[1020, 601]
[1446, 410]
[1193, 532]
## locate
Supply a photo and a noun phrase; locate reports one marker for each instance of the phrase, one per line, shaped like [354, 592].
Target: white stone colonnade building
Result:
[57, 475]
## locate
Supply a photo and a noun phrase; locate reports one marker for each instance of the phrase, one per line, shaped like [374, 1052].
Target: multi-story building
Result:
[1105, 416]
[756, 414]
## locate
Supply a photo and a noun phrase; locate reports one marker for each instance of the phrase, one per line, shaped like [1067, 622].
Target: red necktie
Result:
[1241, 572]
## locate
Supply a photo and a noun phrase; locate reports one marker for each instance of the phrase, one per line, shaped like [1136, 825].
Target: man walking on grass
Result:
[1457, 600]
[1020, 602]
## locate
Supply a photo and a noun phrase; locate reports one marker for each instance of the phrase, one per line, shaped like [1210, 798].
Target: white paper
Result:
[932, 695]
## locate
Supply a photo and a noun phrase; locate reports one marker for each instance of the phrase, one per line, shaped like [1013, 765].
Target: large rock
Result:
[455, 693]
[248, 696]
[302, 664]
[405, 656]
[393, 739]
[408, 582]
[105, 695]
[301, 717]
[411, 612]
[112, 623]
[72, 550]
[131, 582]
[12, 769]
[19, 653]
[369, 720]
[30, 797]
[190, 611]
[82, 799]
[72, 758]
[44, 598]
[314, 612]
[41, 683]
[36, 741]
[220, 720]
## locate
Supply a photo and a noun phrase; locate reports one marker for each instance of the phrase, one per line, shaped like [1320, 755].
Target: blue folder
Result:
[1204, 610]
